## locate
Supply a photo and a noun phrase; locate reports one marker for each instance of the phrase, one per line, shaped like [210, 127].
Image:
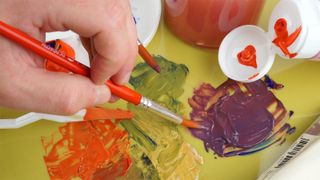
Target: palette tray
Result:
[21, 150]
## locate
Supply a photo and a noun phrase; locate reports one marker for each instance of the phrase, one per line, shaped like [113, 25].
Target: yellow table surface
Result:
[21, 152]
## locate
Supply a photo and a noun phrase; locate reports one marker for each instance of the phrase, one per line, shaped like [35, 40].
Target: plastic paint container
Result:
[207, 22]
[301, 160]
[294, 32]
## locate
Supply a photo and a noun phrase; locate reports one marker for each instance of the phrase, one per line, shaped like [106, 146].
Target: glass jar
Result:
[207, 22]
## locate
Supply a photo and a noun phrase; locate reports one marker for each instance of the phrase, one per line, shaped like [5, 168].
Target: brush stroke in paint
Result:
[158, 148]
[240, 118]
[89, 150]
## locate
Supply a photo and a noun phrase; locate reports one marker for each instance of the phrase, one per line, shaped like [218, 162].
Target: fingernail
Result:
[102, 95]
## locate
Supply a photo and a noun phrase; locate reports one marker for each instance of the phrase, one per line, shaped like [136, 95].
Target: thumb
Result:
[54, 92]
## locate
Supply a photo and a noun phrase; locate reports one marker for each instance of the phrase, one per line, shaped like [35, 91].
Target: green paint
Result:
[157, 142]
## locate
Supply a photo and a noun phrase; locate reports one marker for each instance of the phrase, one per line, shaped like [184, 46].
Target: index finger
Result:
[110, 24]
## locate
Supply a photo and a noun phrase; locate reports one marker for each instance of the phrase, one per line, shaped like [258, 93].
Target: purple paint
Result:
[236, 115]
[271, 83]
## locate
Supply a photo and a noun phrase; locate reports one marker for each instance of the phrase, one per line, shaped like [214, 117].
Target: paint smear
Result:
[158, 149]
[248, 57]
[283, 40]
[240, 118]
[90, 149]
[253, 76]
[271, 83]
[102, 113]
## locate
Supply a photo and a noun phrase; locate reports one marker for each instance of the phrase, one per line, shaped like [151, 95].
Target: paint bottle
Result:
[301, 160]
[206, 22]
[294, 32]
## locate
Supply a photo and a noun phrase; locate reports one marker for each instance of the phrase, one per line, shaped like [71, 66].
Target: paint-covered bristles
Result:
[191, 124]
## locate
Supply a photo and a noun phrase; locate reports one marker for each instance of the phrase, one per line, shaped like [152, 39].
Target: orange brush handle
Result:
[124, 93]
[62, 60]
[146, 56]
[42, 49]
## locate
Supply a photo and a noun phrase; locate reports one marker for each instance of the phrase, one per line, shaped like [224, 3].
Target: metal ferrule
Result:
[160, 110]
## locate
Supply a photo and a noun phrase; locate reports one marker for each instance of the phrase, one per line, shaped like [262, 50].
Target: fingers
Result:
[115, 59]
[110, 25]
[123, 75]
[86, 42]
[52, 92]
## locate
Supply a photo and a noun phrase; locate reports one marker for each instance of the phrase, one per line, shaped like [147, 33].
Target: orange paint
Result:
[102, 113]
[253, 76]
[90, 149]
[248, 56]
[62, 47]
[283, 40]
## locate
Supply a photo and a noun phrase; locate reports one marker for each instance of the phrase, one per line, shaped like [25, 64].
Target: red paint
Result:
[207, 22]
[283, 40]
[88, 150]
[247, 57]
[253, 76]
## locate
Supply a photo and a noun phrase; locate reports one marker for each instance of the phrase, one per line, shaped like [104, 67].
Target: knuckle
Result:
[69, 105]
[120, 57]
[130, 53]
[117, 13]
[72, 100]
[126, 57]
[134, 51]
[92, 95]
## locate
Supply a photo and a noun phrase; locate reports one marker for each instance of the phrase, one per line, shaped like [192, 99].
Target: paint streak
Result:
[283, 40]
[158, 148]
[240, 118]
[88, 150]
[271, 83]
[253, 76]
[248, 57]
[102, 113]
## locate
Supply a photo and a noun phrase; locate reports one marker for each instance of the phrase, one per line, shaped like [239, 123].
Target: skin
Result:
[107, 31]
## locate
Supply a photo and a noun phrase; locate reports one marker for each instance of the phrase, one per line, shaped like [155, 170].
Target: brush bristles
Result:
[191, 124]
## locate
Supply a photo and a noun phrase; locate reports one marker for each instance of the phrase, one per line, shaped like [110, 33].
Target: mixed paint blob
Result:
[238, 119]
[162, 151]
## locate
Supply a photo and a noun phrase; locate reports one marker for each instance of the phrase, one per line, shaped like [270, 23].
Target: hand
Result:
[106, 24]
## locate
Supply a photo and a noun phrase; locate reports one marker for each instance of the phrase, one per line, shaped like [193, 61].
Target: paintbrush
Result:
[74, 66]
[147, 57]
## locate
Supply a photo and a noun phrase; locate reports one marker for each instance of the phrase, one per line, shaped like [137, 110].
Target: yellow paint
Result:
[170, 156]
[21, 150]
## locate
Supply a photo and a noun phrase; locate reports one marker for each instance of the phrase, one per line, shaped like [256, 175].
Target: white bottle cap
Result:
[235, 42]
[304, 14]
